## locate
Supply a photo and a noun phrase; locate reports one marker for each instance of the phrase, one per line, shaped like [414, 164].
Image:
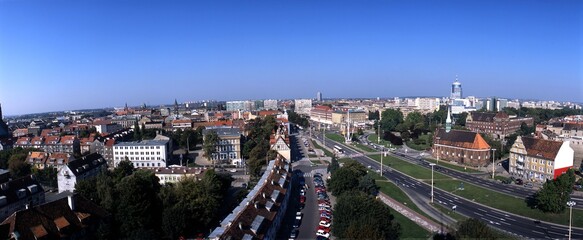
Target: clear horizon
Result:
[67, 55]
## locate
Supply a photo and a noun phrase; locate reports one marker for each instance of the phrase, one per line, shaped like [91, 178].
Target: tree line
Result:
[357, 213]
[141, 208]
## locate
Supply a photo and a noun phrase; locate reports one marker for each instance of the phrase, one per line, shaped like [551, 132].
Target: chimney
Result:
[71, 202]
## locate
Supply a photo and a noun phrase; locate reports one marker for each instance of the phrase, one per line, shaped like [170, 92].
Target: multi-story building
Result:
[125, 121]
[260, 215]
[177, 174]
[499, 125]
[279, 141]
[108, 152]
[463, 147]
[146, 153]
[19, 194]
[303, 106]
[427, 104]
[106, 126]
[80, 169]
[182, 124]
[539, 159]
[456, 90]
[319, 96]
[240, 105]
[50, 144]
[357, 118]
[321, 114]
[569, 131]
[270, 104]
[72, 217]
[228, 148]
[41, 160]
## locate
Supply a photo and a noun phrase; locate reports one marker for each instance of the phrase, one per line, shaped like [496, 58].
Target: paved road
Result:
[521, 226]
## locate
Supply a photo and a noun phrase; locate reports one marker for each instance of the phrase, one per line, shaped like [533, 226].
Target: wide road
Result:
[521, 226]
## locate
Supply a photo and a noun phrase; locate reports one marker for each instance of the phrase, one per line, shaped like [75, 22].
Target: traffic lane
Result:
[518, 191]
[310, 212]
[520, 225]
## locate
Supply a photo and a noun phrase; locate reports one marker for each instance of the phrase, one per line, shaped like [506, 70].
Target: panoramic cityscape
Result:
[291, 120]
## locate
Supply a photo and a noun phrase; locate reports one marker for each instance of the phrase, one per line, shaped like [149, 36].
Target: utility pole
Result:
[493, 159]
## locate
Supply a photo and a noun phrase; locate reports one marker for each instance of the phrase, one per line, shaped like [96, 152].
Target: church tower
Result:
[448, 121]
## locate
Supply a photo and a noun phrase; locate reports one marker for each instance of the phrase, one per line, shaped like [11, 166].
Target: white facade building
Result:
[270, 104]
[85, 168]
[303, 106]
[147, 153]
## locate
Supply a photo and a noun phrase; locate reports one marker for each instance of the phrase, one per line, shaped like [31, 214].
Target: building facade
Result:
[463, 147]
[228, 148]
[80, 169]
[279, 141]
[146, 153]
[18, 194]
[499, 125]
[177, 174]
[303, 106]
[321, 114]
[270, 104]
[539, 159]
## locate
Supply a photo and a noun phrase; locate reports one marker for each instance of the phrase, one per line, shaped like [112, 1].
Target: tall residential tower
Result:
[456, 90]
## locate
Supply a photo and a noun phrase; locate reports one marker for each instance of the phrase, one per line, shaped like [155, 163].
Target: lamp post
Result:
[570, 204]
[493, 158]
[432, 164]
[382, 153]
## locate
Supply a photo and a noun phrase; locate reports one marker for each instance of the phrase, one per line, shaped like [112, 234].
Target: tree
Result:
[358, 216]
[553, 196]
[211, 140]
[373, 115]
[342, 180]
[139, 209]
[473, 228]
[124, 168]
[390, 119]
[137, 134]
[46, 176]
[18, 166]
[333, 166]
[368, 185]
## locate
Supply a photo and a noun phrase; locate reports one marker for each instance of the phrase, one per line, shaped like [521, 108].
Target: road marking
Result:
[479, 214]
[537, 232]
[482, 210]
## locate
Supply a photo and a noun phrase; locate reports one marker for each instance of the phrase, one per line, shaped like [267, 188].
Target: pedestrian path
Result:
[407, 212]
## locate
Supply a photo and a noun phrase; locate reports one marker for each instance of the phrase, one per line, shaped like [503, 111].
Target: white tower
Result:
[448, 121]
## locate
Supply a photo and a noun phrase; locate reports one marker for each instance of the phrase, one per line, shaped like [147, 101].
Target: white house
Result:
[146, 153]
[87, 167]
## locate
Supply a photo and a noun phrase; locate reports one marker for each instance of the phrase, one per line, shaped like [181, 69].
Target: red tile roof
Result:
[537, 147]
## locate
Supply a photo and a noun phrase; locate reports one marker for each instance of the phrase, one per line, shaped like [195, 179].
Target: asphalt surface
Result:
[518, 225]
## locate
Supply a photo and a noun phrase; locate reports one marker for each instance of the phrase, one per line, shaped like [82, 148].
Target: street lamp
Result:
[493, 158]
[570, 204]
[432, 164]
[382, 153]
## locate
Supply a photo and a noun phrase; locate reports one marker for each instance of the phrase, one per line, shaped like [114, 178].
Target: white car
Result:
[324, 224]
[323, 234]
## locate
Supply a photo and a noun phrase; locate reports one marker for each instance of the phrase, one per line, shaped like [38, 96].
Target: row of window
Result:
[146, 165]
[138, 158]
[138, 153]
[459, 155]
[136, 147]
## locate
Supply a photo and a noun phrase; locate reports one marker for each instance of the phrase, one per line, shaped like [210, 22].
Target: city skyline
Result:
[153, 52]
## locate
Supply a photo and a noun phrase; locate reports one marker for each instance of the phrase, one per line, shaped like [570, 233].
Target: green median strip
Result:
[453, 166]
[326, 152]
[409, 229]
[481, 195]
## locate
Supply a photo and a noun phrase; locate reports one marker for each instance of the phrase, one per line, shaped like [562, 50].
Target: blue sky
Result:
[65, 55]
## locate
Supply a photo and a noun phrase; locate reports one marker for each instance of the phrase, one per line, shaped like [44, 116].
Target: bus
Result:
[338, 149]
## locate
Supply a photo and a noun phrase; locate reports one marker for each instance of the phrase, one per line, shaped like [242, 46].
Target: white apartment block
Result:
[270, 104]
[147, 153]
[303, 106]
[431, 104]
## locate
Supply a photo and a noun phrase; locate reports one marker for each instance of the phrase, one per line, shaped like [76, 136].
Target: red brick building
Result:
[463, 147]
[499, 125]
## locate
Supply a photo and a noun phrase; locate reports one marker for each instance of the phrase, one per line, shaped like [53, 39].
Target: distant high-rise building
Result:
[319, 96]
[456, 89]
[303, 106]
[270, 104]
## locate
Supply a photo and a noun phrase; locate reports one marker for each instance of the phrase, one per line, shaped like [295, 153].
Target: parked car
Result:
[519, 181]
[293, 234]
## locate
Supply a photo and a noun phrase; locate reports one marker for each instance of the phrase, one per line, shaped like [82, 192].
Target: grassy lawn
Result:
[507, 203]
[326, 152]
[396, 193]
[409, 229]
[449, 212]
[481, 195]
[421, 147]
[312, 155]
[343, 160]
[409, 168]
[374, 137]
[316, 161]
[335, 137]
[453, 166]
[363, 147]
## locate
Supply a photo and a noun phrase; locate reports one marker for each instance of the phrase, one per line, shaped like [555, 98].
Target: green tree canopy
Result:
[211, 140]
[473, 228]
[358, 216]
[553, 196]
[390, 118]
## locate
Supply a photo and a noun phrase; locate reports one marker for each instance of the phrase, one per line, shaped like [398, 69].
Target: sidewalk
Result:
[407, 212]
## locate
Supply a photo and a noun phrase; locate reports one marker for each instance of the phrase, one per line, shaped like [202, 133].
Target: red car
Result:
[302, 199]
